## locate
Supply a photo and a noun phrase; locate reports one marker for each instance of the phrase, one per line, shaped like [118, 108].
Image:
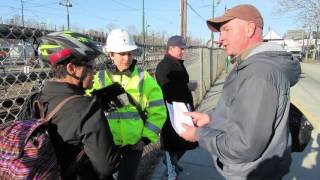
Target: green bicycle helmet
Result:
[60, 47]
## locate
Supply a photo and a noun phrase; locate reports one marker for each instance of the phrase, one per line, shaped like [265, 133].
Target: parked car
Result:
[297, 54]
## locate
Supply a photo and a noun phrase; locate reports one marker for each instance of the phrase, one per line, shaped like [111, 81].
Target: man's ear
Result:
[71, 68]
[170, 48]
[251, 29]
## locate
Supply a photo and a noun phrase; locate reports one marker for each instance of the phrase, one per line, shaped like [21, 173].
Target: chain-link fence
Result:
[22, 72]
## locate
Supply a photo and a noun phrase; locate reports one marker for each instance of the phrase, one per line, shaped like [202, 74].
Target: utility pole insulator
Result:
[67, 4]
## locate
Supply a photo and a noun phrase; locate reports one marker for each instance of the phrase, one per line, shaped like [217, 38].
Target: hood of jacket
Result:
[275, 55]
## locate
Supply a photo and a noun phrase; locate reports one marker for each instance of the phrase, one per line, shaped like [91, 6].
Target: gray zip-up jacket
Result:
[248, 134]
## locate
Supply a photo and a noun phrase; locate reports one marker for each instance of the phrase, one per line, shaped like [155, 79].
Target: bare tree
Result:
[110, 27]
[308, 11]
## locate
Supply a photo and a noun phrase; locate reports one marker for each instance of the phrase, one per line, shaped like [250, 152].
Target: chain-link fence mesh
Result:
[22, 72]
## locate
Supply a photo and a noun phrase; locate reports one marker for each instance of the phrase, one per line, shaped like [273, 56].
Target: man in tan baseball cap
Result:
[245, 12]
[247, 133]
[240, 28]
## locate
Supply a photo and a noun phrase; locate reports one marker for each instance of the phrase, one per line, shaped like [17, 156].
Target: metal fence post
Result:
[217, 64]
[201, 73]
[211, 66]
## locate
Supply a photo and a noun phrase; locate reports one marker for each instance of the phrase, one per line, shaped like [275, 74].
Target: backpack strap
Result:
[75, 163]
[38, 109]
[48, 118]
[59, 106]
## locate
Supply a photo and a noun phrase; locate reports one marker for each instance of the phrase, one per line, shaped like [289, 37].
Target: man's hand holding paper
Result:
[199, 119]
[178, 117]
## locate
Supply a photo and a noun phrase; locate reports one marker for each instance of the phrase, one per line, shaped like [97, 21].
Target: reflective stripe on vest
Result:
[123, 115]
[152, 127]
[156, 103]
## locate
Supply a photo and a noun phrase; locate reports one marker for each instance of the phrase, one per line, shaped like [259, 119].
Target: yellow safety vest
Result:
[126, 125]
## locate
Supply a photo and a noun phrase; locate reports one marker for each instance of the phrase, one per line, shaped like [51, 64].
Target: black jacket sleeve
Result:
[98, 141]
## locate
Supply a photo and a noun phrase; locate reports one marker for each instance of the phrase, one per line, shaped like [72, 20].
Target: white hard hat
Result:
[119, 41]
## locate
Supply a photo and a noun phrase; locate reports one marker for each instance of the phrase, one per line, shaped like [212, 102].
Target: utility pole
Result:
[214, 4]
[212, 35]
[183, 18]
[23, 46]
[67, 4]
[143, 24]
[143, 36]
[22, 16]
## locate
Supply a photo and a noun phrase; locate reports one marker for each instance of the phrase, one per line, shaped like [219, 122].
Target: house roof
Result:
[271, 35]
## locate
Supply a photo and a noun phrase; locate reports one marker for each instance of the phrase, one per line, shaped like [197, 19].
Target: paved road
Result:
[306, 96]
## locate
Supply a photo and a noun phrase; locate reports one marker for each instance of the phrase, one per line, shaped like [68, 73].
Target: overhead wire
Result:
[192, 9]
[124, 5]
[94, 16]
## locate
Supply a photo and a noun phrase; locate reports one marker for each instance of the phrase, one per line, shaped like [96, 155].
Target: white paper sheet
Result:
[177, 117]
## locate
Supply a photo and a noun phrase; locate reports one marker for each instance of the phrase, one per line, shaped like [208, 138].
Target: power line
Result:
[83, 9]
[42, 5]
[124, 5]
[195, 12]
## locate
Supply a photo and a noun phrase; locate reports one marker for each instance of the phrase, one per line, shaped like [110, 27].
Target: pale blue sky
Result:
[160, 15]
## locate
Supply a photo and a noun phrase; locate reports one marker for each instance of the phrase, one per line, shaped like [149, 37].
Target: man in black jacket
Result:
[173, 78]
[80, 124]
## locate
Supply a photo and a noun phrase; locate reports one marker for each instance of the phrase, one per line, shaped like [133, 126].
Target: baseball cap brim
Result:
[214, 24]
[183, 46]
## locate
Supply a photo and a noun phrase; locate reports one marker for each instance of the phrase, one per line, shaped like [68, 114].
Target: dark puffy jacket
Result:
[80, 124]
[173, 78]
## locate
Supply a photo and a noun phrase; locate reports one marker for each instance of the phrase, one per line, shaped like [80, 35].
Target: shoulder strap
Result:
[141, 81]
[142, 113]
[101, 78]
[138, 106]
[74, 164]
[59, 106]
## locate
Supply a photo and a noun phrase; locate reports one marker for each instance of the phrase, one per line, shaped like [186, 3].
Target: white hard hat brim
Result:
[122, 49]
